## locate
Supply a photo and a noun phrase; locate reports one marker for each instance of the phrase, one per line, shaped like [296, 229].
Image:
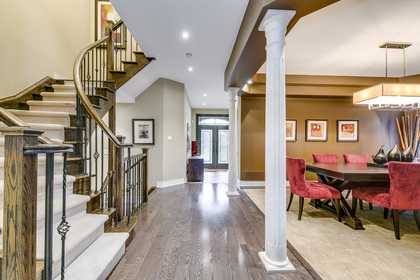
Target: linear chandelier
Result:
[390, 96]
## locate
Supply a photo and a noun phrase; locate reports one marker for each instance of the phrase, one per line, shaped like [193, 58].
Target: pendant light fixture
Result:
[390, 96]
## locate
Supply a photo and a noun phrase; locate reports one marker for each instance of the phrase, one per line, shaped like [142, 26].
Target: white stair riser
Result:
[67, 109]
[74, 245]
[58, 97]
[66, 87]
[65, 121]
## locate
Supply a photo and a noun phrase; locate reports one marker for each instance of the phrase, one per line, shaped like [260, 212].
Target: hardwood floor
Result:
[194, 231]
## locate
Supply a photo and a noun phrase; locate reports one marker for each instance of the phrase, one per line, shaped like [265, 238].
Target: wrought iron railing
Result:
[95, 98]
[135, 168]
[20, 203]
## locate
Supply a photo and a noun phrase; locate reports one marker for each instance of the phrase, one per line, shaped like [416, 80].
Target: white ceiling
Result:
[157, 26]
[341, 39]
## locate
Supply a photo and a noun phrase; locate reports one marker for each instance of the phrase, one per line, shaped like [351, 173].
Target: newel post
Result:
[145, 190]
[109, 47]
[20, 202]
[120, 172]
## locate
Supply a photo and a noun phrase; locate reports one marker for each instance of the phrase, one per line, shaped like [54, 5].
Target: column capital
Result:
[281, 17]
[233, 93]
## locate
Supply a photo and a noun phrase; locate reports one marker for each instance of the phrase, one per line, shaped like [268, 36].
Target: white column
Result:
[275, 257]
[233, 144]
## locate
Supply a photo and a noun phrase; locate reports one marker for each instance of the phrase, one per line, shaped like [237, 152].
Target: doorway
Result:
[213, 140]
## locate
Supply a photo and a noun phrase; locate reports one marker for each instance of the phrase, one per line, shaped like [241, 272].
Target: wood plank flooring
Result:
[194, 231]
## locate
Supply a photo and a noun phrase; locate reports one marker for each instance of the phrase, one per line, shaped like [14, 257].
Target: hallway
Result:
[194, 231]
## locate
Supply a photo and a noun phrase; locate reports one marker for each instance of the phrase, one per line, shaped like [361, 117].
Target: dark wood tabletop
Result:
[349, 171]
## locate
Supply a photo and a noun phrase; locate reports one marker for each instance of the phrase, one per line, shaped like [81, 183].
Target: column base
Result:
[273, 267]
[228, 193]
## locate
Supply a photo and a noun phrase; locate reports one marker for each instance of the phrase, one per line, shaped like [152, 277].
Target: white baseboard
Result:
[247, 184]
[164, 184]
[251, 184]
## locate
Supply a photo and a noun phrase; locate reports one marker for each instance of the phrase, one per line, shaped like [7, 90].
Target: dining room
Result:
[335, 250]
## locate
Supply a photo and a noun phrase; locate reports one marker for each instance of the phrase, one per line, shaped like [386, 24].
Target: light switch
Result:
[169, 138]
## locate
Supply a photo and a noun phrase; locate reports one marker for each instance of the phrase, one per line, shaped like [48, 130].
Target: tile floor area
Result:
[335, 251]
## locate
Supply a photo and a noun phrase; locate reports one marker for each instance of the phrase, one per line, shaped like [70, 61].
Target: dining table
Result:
[347, 176]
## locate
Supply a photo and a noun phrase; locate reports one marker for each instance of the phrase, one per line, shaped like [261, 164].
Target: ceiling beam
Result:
[248, 53]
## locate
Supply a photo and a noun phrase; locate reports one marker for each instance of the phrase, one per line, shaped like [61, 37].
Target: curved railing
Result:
[96, 97]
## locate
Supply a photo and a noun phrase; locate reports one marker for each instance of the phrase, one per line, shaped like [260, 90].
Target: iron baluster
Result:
[96, 156]
[49, 195]
[109, 176]
[102, 171]
[64, 226]
[116, 188]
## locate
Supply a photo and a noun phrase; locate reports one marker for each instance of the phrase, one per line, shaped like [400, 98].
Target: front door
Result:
[213, 140]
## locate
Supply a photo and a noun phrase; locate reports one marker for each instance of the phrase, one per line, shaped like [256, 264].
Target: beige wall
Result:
[40, 38]
[166, 103]
[148, 105]
[174, 125]
[376, 129]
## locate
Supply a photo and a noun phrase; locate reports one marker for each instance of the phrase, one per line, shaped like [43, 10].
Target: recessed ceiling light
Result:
[204, 104]
[250, 82]
[190, 69]
[185, 35]
[205, 94]
[188, 55]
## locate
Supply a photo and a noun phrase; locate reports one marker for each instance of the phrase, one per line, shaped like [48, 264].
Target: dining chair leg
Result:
[290, 201]
[361, 204]
[348, 194]
[301, 200]
[385, 213]
[396, 223]
[417, 218]
[337, 208]
[354, 204]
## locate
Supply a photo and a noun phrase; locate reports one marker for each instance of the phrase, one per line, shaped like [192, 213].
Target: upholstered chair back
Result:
[325, 158]
[296, 171]
[404, 192]
[355, 158]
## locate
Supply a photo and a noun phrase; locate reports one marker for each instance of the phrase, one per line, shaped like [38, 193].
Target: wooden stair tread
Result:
[138, 52]
[104, 212]
[117, 71]
[105, 88]
[122, 225]
[80, 176]
[130, 62]
[99, 96]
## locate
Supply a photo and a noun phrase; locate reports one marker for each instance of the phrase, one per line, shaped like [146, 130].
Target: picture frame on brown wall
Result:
[316, 130]
[291, 130]
[347, 131]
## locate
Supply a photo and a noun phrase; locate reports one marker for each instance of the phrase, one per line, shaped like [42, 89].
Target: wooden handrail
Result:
[118, 24]
[84, 99]
[139, 156]
[13, 101]
[11, 120]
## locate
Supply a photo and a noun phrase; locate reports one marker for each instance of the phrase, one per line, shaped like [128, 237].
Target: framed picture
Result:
[316, 130]
[347, 130]
[105, 11]
[144, 131]
[291, 130]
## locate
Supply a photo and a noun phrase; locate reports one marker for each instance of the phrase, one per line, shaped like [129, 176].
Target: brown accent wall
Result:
[375, 129]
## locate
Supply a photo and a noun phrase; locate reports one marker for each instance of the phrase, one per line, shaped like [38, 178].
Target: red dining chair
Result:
[308, 189]
[403, 193]
[356, 158]
[326, 158]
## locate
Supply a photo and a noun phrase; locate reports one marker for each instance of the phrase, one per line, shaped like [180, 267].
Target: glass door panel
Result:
[207, 145]
[223, 147]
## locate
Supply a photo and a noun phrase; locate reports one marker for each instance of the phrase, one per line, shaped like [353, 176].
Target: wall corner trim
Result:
[164, 184]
